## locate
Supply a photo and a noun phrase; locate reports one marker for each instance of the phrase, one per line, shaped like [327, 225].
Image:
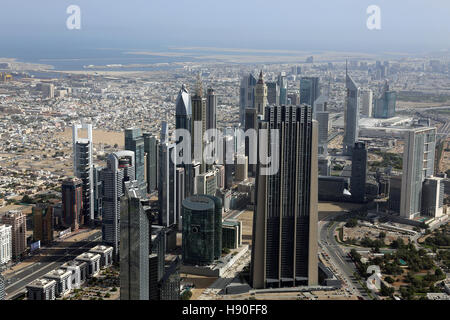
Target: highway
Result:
[339, 258]
[54, 257]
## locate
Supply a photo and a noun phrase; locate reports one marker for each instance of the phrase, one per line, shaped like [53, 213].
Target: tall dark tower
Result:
[134, 141]
[359, 171]
[199, 117]
[260, 95]
[285, 250]
[351, 114]
[184, 121]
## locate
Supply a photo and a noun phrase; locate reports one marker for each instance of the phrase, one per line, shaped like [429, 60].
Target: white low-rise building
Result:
[62, 279]
[41, 289]
[93, 262]
[106, 253]
[78, 270]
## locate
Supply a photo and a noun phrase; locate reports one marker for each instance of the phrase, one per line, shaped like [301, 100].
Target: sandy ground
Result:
[99, 137]
[201, 283]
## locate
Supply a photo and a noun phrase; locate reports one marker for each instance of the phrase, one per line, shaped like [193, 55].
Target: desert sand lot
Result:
[201, 283]
[99, 137]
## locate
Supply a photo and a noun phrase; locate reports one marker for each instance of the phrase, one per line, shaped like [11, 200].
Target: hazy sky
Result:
[407, 25]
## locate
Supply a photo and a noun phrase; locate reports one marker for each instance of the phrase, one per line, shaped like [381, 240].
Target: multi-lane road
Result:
[340, 259]
[52, 258]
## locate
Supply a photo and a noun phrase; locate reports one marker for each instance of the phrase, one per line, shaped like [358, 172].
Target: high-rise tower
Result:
[284, 249]
[260, 95]
[134, 246]
[134, 141]
[120, 169]
[199, 123]
[359, 171]
[418, 164]
[309, 90]
[351, 115]
[246, 96]
[72, 202]
[83, 169]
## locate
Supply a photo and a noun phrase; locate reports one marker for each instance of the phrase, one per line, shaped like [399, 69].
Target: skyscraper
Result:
[366, 103]
[285, 220]
[199, 123]
[134, 141]
[151, 150]
[309, 90]
[418, 164]
[72, 202]
[273, 93]
[180, 194]
[167, 189]
[385, 103]
[120, 168]
[282, 83]
[183, 120]
[134, 246]
[246, 96]
[359, 171]
[17, 220]
[83, 169]
[98, 187]
[202, 223]
[351, 115]
[211, 120]
[433, 197]
[260, 95]
[43, 223]
[211, 106]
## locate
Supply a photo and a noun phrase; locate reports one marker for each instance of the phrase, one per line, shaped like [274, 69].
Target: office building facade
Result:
[285, 221]
[17, 220]
[309, 90]
[134, 246]
[72, 202]
[200, 224]
[246, 96]
[5, 244]
[134, 141]
[120, 169]
[359, 172]
[83, 169]
[43, 223]
[351, 116]
[418, 164]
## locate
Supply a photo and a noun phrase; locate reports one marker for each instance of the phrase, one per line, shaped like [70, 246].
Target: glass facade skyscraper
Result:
[134, 245]
[385, 104]
[134, 141]
[309, 90]
[418, 164]
[351, 120]
[83, 169]
[120, 169]
[202, 229]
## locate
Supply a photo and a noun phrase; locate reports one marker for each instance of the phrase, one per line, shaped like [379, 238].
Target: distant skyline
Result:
[37, 29]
